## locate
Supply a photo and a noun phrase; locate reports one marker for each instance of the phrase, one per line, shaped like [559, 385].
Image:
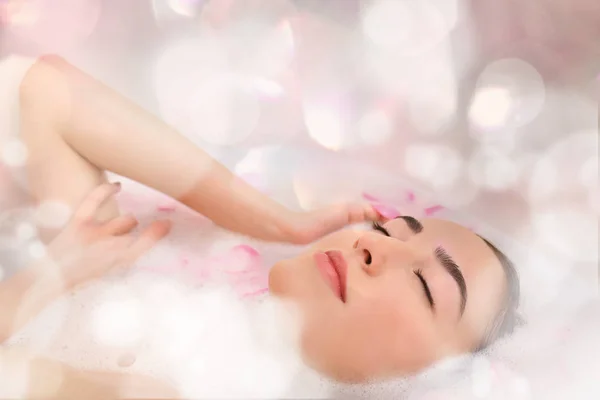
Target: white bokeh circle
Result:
[493, 170]
[560, 188]
[408, 28]
[510, 93]
[375, 127]
[438, 165]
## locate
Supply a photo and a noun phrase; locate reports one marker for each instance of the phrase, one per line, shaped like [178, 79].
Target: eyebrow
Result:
[450, 266]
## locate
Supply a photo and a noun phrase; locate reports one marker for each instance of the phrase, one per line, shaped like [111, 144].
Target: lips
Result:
[333, 268]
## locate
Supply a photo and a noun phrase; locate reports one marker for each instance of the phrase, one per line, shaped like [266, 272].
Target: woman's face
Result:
[375, 306]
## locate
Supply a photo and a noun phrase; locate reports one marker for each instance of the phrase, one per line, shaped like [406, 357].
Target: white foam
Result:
[211, 344]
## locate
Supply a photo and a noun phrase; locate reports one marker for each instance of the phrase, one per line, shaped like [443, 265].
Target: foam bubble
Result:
[118, 320]
[481, 377]
[520, 388]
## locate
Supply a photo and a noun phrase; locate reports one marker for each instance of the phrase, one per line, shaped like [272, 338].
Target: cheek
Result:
[403, 326]
[295, 279]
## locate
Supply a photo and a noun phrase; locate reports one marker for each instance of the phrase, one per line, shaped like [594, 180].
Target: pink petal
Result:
[368, 197]
[386, 211]
[432, 210]
[256, 292]
[167, 205]
[249, 250]
[410, 196]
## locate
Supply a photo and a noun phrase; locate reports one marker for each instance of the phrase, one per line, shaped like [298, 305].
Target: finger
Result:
[88, 208]
[361, 212]
[371, 213]
[386, 213]
[119, 226]
[149, 237]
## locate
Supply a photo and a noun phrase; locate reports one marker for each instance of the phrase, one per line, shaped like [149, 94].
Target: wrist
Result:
[290, 229]
[45, 280]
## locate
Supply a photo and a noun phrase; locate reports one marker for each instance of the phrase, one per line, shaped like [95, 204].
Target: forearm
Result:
[116, 135]
[28, 376]
[24, 295]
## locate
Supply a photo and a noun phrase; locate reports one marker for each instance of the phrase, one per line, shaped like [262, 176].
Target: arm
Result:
[64, 110]
[24, 295]
[29, 377]
[85, 250]
[116, 135]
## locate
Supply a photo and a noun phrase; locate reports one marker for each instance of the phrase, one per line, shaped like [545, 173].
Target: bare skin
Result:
[75, 129]
[70, 124]
[386, 326]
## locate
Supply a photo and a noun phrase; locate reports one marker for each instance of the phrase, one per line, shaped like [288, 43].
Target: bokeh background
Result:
[490, 106]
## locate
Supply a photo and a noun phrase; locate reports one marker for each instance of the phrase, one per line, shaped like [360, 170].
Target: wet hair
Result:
[508, 318]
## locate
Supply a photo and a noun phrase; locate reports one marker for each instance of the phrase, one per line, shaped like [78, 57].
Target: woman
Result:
[373, 304]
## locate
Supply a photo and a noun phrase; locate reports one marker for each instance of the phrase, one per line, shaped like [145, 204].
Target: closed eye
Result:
[378, 227]
[426, 289]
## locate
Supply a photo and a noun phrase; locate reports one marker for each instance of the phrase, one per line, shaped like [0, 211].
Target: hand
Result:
[87, 249]
[306, 227]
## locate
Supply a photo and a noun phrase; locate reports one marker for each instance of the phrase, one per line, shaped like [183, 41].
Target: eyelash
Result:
[378, 227]
[418, 273]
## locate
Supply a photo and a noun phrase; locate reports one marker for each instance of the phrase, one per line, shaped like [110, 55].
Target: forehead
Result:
[469, 251]
[483, 273]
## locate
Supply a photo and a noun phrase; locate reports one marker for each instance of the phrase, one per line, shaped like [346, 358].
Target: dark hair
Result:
[508, 318]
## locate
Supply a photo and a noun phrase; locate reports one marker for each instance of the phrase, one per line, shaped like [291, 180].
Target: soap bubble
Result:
[481, 377]
[118, 320]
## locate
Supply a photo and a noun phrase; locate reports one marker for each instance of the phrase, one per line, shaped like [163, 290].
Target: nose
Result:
[377, 252]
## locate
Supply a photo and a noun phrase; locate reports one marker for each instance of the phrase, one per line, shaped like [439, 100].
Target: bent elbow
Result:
[44, 89]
